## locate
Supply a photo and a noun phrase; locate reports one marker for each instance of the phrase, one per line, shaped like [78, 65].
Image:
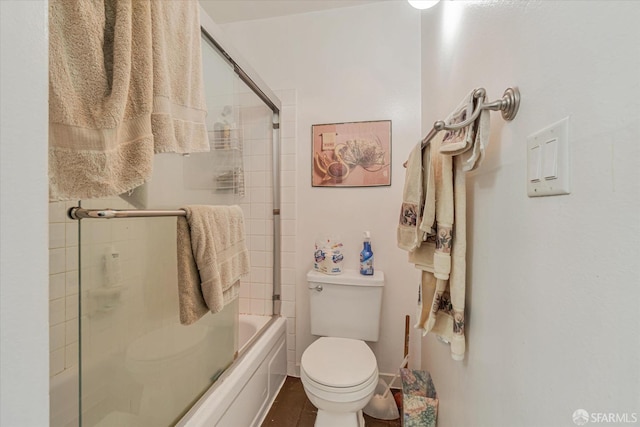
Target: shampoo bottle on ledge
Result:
[366, 256]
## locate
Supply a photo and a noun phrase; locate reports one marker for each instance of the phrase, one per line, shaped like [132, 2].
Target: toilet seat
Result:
[339, 369]
[339, 362]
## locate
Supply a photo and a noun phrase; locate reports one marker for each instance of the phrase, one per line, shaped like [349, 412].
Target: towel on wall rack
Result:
[458, 141]
[442, 257]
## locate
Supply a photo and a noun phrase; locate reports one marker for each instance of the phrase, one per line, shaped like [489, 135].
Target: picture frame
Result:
[351, 154]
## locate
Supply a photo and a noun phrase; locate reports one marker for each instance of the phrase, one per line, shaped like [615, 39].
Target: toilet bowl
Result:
[339, 376]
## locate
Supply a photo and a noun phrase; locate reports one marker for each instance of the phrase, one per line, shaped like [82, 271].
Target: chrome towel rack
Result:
[508, 105]
[80, 213]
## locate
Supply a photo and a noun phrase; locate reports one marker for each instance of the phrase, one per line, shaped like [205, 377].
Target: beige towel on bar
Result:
[179, 108]
[408, 233]
[456, 142]
[442, 257]
[471, 159]
[443, 179]
[428, 222]
[100, 97]
[212, 255]
[443, 301]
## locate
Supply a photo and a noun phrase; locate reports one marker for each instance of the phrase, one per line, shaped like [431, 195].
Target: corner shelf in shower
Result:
[221, 169]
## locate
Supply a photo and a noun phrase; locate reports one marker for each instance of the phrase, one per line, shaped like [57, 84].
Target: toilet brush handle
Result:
[406, 358]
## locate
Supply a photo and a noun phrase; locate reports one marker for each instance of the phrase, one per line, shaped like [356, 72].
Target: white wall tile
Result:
[288, 292]
[57, 261]
[56, 362]
[245, 290]
[288, 227]
[288, 309]
[56, 235]
[56, 286]
[288, 211]
[71, 230]
[57, 212]
[288, 276]
[71, 258]
[257, 307]
[289, 178]
[71, 307]
[71, 353]
[258, 291]
[244, 306]
[288, 146]
[56, 311]
[57, 336]
[71, 282]
[71, 331]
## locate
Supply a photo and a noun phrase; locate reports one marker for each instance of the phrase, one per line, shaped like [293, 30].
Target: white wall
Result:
[24, 327]
[553, 283]
[351, 64]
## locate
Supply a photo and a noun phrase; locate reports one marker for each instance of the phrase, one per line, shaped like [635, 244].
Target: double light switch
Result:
[548, 161]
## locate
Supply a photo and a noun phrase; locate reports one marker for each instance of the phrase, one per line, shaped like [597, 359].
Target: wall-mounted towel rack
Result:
[80, 213]
[508, 105]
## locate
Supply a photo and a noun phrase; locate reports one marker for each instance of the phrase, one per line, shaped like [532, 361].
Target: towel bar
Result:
[80, 213]
[508, 105]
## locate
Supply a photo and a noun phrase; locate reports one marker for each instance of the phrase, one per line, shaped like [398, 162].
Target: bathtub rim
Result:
[200, 413]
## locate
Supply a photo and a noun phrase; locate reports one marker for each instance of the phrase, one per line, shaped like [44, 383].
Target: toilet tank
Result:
[346, 305]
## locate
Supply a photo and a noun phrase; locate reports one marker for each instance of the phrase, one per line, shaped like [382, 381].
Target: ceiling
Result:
[225, 11]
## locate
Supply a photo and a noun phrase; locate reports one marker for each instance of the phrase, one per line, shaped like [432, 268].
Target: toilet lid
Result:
[339, 362]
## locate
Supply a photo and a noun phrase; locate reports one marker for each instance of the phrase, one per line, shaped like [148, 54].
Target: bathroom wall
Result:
[351, 64]
[23, 211]
[553, 283]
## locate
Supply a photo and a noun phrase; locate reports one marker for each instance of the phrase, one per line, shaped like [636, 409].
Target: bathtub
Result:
[240, 397]
[244, 393]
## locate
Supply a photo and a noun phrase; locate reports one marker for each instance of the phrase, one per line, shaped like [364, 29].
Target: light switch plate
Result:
[548, 163]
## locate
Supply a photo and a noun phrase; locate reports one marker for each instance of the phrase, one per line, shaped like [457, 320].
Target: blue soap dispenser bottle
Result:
[366, 256]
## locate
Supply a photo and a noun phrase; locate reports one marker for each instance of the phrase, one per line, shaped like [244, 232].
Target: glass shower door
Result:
[138, 365]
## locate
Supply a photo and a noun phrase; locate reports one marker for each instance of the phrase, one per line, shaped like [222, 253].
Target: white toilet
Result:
[339, 371]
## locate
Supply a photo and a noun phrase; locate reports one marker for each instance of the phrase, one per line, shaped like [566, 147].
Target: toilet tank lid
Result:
[348, 277]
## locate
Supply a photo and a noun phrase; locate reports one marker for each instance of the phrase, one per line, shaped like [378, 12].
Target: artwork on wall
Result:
[355, 154]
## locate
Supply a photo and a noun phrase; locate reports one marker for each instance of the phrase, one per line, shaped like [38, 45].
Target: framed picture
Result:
[355, 154]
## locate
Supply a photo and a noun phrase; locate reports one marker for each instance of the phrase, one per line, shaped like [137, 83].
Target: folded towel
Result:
[471, 159]
[100, 97]
[179, 108]
[458, 141]
[212, 256]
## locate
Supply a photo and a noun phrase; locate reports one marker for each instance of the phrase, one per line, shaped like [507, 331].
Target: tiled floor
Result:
[292, 408]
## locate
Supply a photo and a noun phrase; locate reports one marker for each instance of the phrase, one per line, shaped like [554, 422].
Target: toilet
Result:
[339, 371]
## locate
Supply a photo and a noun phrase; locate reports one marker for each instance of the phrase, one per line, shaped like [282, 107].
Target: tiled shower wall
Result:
[63, 288]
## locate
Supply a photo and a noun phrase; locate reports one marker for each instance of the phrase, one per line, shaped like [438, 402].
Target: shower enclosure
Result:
[138, 366]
